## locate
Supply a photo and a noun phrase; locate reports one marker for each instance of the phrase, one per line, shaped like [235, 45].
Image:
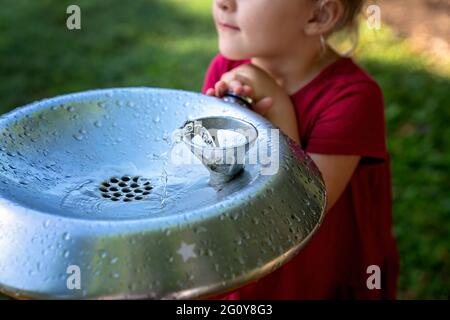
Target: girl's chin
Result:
[233, 53]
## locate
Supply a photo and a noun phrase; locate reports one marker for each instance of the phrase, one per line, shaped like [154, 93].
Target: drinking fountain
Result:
[146, 193]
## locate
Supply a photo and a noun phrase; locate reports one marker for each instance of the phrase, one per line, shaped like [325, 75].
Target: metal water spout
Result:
[221, 144]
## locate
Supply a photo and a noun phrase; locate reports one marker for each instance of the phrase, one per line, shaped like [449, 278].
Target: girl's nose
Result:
[226, 5]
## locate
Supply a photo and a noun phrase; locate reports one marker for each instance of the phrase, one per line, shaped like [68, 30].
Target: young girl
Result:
[276, 52]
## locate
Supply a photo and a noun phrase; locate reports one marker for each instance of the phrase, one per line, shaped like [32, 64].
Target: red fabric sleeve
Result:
[217, 67]
[352, 123]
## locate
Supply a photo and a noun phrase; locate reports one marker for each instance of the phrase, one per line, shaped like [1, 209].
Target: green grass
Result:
[143, 43]
[169, 43]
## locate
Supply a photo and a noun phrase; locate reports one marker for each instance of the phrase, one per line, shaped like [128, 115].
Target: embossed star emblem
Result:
[187, 251]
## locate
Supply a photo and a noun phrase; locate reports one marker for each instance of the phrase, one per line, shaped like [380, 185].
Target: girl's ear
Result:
[324, 18]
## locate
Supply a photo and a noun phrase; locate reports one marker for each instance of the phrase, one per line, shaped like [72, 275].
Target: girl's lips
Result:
[228, 26]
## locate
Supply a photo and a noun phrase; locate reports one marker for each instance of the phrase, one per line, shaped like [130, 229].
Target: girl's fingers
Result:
[236, 87]
[238, 83]
[241, 89]
[248, 91]
[211, 92]
[221, 87]
[263, 105]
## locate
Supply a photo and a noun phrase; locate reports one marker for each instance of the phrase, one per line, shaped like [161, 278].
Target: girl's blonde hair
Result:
[346, 28]
[352, 9]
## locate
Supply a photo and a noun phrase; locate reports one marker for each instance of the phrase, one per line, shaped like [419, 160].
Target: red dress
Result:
[340, 112]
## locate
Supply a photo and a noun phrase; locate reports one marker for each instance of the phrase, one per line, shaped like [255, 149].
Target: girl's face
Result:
[260, 28]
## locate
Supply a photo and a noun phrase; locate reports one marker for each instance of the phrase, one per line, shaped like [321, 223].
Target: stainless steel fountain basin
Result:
[96, 200]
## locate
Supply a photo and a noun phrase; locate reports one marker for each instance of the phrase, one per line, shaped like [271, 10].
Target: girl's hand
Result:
[250, 81]
[271, 100]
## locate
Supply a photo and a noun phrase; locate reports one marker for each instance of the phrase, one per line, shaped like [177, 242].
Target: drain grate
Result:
[126, 188]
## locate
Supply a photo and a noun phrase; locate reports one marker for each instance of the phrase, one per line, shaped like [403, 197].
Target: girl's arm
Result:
[282, 114]
[336, 172]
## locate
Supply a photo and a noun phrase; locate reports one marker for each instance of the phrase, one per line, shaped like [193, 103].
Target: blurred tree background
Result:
[169, 43]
